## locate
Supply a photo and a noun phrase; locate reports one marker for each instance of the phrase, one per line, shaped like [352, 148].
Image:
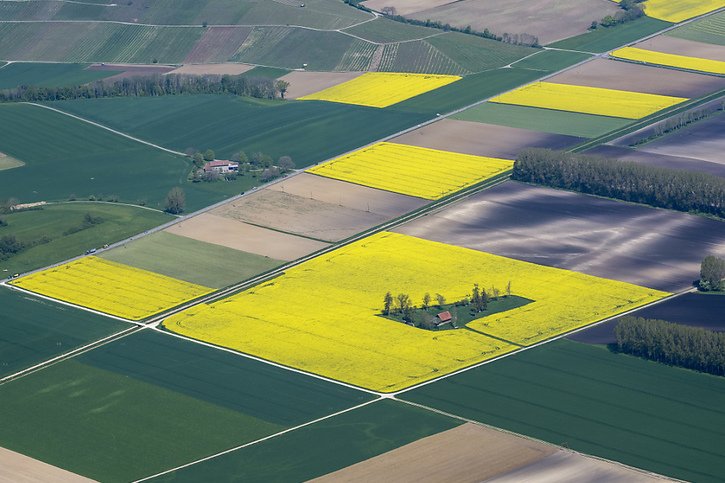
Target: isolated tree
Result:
[441, 300]
[241, 157]
[508, 289]
[476, 299]
[175, 201]
[404, 306]
[426, 301]
[495, 293]
[712, 273]
[209, 155]
[281, 87]
[198, 159]
[285, 163]
[387, 303]
[485, 297]
[269, 174]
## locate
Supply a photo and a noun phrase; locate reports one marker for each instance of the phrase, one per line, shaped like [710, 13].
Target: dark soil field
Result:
[584, 397]
[704, 140]
[151, 401]
[35, 330]
[695, 309]
[656, 248]
[483, 139]
[661, 160]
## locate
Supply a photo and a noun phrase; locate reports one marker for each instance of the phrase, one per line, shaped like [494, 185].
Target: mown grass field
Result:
[546, 120]
[339, 442]
[53, 221]
[48, 75]
[551, 60]
[191, 260]
[664, 419]
[710, 30]
[35, 330]
[604, 39]
[302, 130]
[76, 158]
[149, 402]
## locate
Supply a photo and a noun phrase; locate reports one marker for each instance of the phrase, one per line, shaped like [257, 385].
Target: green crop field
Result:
[338, 442]
[468, 90]
[151, 401]
[605, 39]
[308, 131]
[710, 30]
[49, 230]
[546, 120]
[48, 75]
[551, 60]
[191, 260]
[266, 72]
[664, 419]
[35, 330]
[64, 156]
[383, 30]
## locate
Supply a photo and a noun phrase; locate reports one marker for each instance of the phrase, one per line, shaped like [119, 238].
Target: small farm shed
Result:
[221, 166]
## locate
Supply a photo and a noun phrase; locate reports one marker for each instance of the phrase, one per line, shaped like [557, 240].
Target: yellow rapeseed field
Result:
[588, 100]
[111, 287]
[322, 316]
[670, 60]
[382, 89]
[676, 11]
[410, 170]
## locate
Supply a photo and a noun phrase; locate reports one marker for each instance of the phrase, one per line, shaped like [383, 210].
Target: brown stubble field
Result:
[212, 69]
[406, 7]
[245, 237]
[664, 161]
[483, 139]
[549, 20]
[15, 467]
[318, 207]
[305, 83]
[690, 48]
[471, 453]
[626, 76]
[655, 248]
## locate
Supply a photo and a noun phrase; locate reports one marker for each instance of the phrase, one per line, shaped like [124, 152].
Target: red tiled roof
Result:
[220, 162]
[444, 316]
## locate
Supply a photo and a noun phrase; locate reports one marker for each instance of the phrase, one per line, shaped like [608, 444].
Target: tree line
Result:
[630, 10]
[628, 181]
[712, 274]
[153, 86]
[673, 344]
[679, 122]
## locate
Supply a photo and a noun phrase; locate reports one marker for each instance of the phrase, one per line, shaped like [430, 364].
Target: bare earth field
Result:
[131, 70]
[18, 468]
[319, 207]
[690, 48]
[549, 20]
[483, 139]
[7, 162]
[405, 7]
[655, 248]
[243, 236]
[704, 140]
[661, 160]
[614, 74]
[217, 44]
[305, 83]
[471, 453]
[212, 69]
[348, 195]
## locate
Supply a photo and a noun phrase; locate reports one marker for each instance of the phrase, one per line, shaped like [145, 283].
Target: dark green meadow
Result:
[149, 402]
[605, 39]
[323, 447]
[48, 75]
[33, 330]
[660, 418]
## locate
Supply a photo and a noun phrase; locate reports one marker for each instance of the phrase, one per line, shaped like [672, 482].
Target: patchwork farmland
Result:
[247, 240]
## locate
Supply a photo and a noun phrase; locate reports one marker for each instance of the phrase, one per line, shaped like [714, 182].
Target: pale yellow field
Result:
[679, 10]
[321, 316]
[589, 100]
[111, 287]
[382, 89]
[411, 170]
[670, 60]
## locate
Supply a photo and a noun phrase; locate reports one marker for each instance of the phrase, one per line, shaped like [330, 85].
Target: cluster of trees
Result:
[392, 14]
[712, 274]
[631, 10]
[403, 305]
[628, 181]
[152, 86]
[673, 344]
[9, 246]
[678, 122]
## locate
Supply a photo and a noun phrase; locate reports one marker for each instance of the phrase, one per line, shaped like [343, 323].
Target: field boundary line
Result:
[546, 341]
[260, 440]
[93, 123]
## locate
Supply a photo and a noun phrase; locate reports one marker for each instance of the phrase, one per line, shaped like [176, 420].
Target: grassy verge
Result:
[581, 396]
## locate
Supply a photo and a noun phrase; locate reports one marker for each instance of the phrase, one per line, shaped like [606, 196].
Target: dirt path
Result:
[18, 468]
